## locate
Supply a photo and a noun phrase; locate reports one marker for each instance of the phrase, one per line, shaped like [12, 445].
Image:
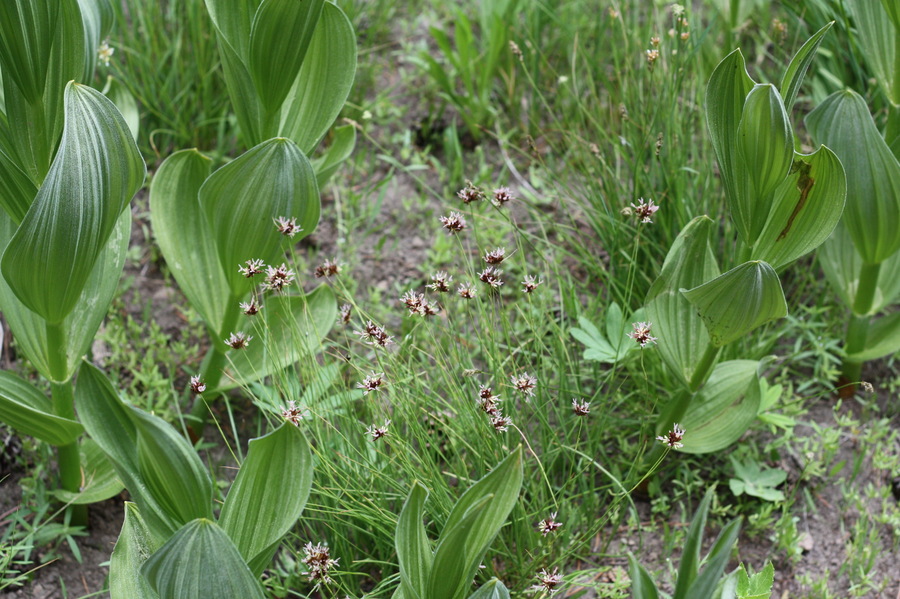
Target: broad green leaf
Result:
[30, 412]
[134, 546]
[843, 123]
[80, 326]
[97, 170]
[233, 20]
[173, 472]
[242, 199]
[242, 93]
[125, 102]
[765, 150]
[842, 264]
[16, 189]
[26, 39]
[279, 37]
[796, 71]
[413, 548]
[878, 38]
[454, 565]
[492, 589]
[682, 337]
[807, 207]
[690, 557]
[200, 562]
[268, 495]
[184, 237]
[98, 474]
[723, 409]
[596, 346]
[705, 585]
[642, 585]
[725, 94]
[324, 82]
[737, 302]
[288, 328]
[92, 29]
[758, 585]
[882, 339]
[340, 149]
[111, 424]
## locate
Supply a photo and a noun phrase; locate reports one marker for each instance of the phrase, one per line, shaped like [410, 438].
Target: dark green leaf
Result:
[796, 71]
[642, 585]
[30, 412]
[413, 547]
[134, 546]
[98, 474]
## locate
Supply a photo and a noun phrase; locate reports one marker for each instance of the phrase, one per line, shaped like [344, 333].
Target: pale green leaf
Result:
[30, 412]
[758, 585]
[596, 346]
[882, 339]
[268, 495]
[723, 409]
[413, 548]
[324, 82]
[233, 20]
[97, 170]
[17, 191]
[739, 301]
[92, 32]
[454, 565]
[842, 264]
[642, 585]
[765, 150]
[286, 329]
[200, 562]
[242, 93]
[99, 476]
[843, 123]
[716, 560]
[125, 102]
[878, 38]
[242, 199]
[279, 38]
[796, 71]
[807, 207]
[689, 565]
[184, 237]
[80, 326]
[134, 546]
[492, 589]
[725, 94]
[340, 149]
[682, 337]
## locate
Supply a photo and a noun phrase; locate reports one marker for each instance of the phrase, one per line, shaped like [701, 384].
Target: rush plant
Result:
[69, 167]
[288, 68]
[783, 204]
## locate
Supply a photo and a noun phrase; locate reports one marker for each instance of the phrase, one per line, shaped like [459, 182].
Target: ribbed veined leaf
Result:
[492, 589]
[690, 557]
[125, 102]
[723, 409]
[233, 20]
[807, 207]
[320, 90]
[173, 472]
[882, 339]
[708, 581]
[200, 562]
[268, 495]
[878, 38]
[30, 412]
[725, 94]
[134, 546]
[843, 123]
[413, 547]
[682, 337]
[242, 93]
[765, 150]
[97, 170]
[242, 199]
[92, 25]
[287, 328]
[841, 264]
[184, 237]
[80, 326]
[16, 189]
[100, 481]
[737, 302]
[26, 40]
[796, 71]
[454, 564]
[279, 38]
[340, 149]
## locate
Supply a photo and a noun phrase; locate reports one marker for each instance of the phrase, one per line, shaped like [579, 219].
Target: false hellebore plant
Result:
[783, 205]
[288, 67]
[69, 167]
[861, 259]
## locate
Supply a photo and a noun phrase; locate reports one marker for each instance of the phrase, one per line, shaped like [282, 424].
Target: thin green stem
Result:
[68, 457]
[858, 329]
[704, 367]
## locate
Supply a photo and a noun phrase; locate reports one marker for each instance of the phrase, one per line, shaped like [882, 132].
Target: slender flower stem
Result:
[704, 366]
[858, 329]
[68, 457]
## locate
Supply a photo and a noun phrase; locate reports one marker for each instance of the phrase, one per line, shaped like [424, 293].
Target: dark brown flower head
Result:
[250, 308]
[371, 383]
[491, 276]
[582, 408]
[287, 226]
[487, 401]
[238, 340]
[440, 282]
[496, 256]
[417, 304]
[466, 291]
[644, 211]
[530, 283]
[377, 432]
[548, 525]
[470, 193]
[329, 268]
[318, 560]
[197, 386]
[641, 334]
[501, 423]
[252, 267]
[292, 413]
[673, 438]
[277, 278]
[548, 581]
[502, 196]
[453, 223]
[345, 313]
[525, 383]
[373, 335]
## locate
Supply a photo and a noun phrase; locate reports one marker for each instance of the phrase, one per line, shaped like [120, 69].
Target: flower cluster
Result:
[373, 334]
[502, 196]
[548, 525]
[491, 276]
[582, 408]
[673, 437]
[417, 304]
[530, 283]
[525, 384]
[644, 211]
[440, 282]
[641, 333]
[292, 413]
[495, 256]
[318, 560]
[197, 386]
[453, 223]
[470, 193]
[488, 402]
[328, 269]
[378, 432]
[278, 277]
[287, 226]
[238, 340]
[371, 383]
[548, 581]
